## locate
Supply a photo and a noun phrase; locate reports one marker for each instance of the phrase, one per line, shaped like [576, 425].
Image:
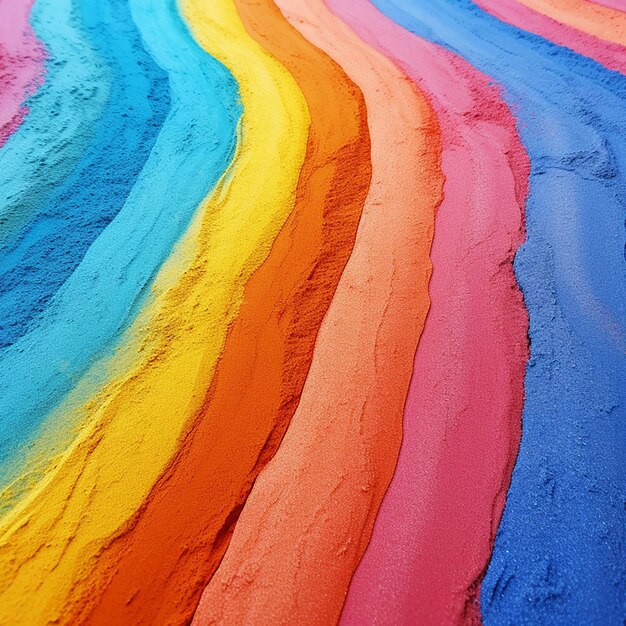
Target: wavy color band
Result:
[312, 312]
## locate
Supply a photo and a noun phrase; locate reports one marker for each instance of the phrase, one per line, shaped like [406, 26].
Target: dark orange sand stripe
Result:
[156, 570]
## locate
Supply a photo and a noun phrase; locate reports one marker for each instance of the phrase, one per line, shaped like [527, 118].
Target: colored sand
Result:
[434, 532]
[264, 357]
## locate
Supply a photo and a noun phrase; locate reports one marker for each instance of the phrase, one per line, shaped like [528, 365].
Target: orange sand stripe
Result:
[603, 22]
[156, 571]
[310, 514]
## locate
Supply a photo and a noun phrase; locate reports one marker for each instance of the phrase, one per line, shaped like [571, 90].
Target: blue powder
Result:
[86, 316]
[560, 553]
[49, 249]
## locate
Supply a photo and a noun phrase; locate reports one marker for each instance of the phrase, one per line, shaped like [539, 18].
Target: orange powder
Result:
[310, 514]
[156, 570]
[600, 21]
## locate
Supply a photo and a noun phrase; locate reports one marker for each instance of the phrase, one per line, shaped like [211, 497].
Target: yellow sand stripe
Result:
[49, 542]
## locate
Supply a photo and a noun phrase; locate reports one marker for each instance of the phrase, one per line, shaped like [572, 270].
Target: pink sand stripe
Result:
[618, 5]
[21, 64]
[435, 530]
[611, 55]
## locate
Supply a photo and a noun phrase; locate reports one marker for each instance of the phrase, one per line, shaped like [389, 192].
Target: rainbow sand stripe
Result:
[312, 312]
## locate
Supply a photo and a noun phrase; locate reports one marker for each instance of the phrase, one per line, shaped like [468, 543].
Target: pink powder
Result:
[21, 64]
[618, 5]
[434, 533]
